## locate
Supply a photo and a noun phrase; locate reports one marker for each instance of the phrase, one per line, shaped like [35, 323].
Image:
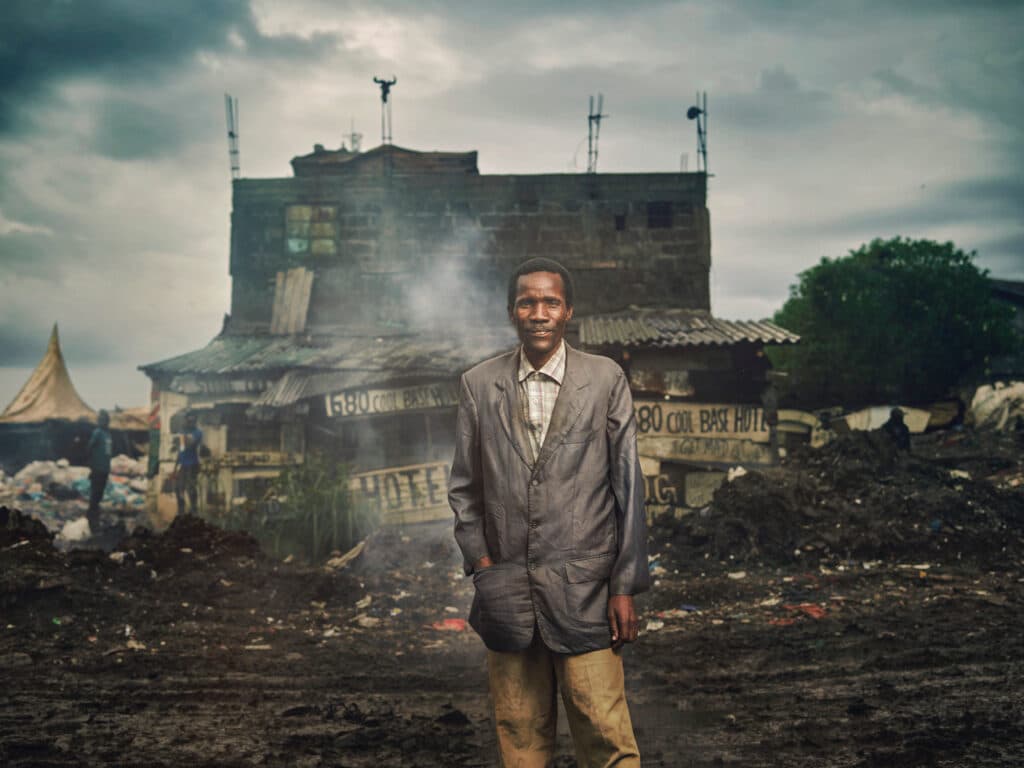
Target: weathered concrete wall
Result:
[401, 251]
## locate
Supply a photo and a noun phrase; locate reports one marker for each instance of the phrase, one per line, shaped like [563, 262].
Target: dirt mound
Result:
[187, 537]
[15, 526]
[857, 499]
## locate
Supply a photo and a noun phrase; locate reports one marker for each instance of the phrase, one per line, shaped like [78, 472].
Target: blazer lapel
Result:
[510, 414]
[568, 405]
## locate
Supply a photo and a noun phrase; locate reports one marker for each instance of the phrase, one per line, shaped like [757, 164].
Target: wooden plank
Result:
[275, 315]
[660, 418]
[409, 494]
[292, 289]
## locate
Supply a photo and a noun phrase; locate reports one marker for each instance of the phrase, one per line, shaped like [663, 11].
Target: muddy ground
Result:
[853, 607]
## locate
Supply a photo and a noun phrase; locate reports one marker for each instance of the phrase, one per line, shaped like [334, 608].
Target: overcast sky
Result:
[829, 124]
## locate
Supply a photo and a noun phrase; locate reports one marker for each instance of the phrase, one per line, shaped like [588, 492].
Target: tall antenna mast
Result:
[231, 112]
[699, 112]
[385, 107]
[594, 131]
[355, 140]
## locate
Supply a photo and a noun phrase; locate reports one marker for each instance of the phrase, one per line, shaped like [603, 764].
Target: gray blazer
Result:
[565, 531]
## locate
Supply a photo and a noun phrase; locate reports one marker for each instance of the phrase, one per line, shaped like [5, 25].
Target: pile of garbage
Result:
[858, 499]
[57, 491]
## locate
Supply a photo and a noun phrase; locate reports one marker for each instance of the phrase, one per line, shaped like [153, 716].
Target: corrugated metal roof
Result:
[668, 328]
[327, 364]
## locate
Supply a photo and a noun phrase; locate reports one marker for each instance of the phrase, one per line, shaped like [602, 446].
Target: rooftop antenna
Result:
[699, 112]
[385, 107]
[231, 112]
[594, 131]
[355, 140]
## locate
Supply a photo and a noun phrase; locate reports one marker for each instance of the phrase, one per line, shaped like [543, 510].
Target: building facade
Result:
[365, 284]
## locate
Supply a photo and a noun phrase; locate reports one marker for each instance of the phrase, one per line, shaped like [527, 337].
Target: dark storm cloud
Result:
[974, 201]
[131, 131]
[43, 44]
[31, 254]
[779, 103]
[23, 341]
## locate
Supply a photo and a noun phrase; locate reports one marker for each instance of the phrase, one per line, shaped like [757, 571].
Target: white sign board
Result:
[349, 403]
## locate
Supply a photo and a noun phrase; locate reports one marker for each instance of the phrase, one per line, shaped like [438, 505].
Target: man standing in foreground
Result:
[548, 500]
[100, 447]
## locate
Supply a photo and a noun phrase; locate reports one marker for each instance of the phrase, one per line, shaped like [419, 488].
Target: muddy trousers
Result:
[523, 687]
[97, 485]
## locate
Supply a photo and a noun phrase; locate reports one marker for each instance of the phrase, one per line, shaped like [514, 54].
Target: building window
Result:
[311, 229]
[620, 222]
[254, 436]
[659, 215]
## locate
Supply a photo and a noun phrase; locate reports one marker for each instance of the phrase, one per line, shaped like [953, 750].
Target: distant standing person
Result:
[99, 448]
[897, 430]
[188, 466]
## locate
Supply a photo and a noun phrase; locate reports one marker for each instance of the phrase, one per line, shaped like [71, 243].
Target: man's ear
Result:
[568, 315]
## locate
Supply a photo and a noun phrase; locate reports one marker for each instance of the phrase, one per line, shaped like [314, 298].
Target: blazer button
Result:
[534, 523]
[536, 482]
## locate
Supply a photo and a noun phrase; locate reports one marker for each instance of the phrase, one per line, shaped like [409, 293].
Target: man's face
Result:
[540, 313]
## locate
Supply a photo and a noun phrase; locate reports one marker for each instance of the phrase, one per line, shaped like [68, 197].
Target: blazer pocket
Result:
[502, 611]
[586, 588]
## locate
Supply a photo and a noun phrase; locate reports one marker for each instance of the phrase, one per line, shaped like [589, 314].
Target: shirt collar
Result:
[553, 368]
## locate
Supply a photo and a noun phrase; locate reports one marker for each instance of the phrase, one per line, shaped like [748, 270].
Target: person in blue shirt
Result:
[99, 449]
[187, 466]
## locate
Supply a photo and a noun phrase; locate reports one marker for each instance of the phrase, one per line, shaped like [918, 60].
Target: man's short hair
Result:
[540, 264]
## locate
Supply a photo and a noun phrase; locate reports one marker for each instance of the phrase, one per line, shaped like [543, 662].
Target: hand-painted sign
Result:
[659, 418]
[706, 450]
[410, 494]
[369, 402]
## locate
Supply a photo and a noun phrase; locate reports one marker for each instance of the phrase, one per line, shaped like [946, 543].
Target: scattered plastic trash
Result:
[450, 625]
[364, 602]
[737, 575]
[734, 472]
[809, 609]
[653, 625]
[672, 613]
[75, 530]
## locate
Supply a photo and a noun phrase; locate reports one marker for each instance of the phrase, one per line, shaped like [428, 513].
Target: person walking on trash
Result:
[548, 499]
[100, 448]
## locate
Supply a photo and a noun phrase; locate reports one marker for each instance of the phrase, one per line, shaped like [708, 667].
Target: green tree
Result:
[895, 320]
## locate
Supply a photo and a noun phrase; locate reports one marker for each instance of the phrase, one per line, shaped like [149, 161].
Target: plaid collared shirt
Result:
[538, 391]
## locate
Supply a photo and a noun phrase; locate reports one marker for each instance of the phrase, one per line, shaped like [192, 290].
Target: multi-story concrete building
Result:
[363, 285]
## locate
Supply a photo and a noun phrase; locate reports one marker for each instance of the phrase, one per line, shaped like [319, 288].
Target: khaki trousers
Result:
[593, 691]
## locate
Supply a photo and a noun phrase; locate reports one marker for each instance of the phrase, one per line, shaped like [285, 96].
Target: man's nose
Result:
[539, 312]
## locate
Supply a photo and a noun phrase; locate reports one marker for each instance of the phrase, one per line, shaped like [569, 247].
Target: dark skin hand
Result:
[622, 618]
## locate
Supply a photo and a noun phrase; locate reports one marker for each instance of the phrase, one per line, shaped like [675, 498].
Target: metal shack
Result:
[363, 285]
